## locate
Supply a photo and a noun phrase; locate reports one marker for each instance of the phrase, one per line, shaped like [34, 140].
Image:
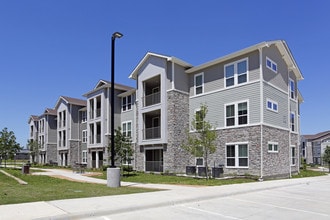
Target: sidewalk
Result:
[98, 206]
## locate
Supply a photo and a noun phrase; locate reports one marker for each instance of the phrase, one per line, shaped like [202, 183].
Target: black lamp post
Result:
[113, 38]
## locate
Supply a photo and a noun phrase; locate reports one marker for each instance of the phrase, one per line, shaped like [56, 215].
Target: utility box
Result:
[25, 169]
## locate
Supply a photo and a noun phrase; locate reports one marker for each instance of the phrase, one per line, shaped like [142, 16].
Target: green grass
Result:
[309, 173]
[45, 188]
[140, 177]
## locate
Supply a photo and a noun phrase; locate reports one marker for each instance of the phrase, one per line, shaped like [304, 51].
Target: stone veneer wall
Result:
[138, 150]
[276, 164]
[51, 153]
[175, 158]
[73, 152]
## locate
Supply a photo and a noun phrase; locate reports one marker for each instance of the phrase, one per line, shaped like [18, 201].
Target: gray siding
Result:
[181, 79]
[214, 75]
[74, 122]
[216, 103]
[280, 118]
[279, 79]
[52, 129]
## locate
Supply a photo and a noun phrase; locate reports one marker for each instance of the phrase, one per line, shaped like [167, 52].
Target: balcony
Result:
[151, 99]
[151, 133]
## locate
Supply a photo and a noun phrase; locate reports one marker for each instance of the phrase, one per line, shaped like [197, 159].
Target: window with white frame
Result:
[292, 121]
[84, 136]
[198, 119]
[236, 73]
[272, 105]
[199, 161]
[292, 89]
[127, 128]
[84, 156]
[236, 114]
[237, 155]
[83, 115]
[293, 155]
[199, 83]
[271, 65]
[126, 103]
[272, 147]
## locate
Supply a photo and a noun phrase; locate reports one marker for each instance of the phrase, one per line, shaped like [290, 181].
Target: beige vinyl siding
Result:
[216, 103]
[279, 79]
[279, 118]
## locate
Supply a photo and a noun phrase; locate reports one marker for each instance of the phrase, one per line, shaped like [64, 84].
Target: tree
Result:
[123, 147]
[326, 156]
[33, 147]
[8, 145]
[201, 143]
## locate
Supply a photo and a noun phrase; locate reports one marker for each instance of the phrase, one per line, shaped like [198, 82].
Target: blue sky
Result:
[50, 48]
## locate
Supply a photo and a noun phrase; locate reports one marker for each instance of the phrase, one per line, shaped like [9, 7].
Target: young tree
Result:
[33, 147]
[326, 156]
[201, 143]
[8, 145]
[123, 146]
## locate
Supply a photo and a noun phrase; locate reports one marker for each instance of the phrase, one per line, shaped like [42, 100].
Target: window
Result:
[84, 156]
[293, 155]
[127, 129]
[199, 83]
[236, 73]
[239, 118]
[273, 147]
[199, 161]
[271, 105]
[237, 155]
[271, 65]
[292, 119]
[84, 136]
[83, 116]
[127, 103]
[292, 89]
[198, 119]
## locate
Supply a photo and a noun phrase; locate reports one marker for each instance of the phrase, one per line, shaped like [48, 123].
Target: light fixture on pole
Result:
[113, 38]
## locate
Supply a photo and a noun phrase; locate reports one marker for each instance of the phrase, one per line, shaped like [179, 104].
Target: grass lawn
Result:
[309, 173]
[140, 177]
[45, 188]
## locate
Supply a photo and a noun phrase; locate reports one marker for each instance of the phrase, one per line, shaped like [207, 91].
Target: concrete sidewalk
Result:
[99, 206]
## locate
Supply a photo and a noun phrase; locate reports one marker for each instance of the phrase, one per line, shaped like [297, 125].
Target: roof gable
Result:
[134, 73]
[102, 84]
[70, 100]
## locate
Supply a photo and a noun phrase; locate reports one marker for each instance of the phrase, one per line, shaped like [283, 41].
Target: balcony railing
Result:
[151, 99]
[152, 133]
[154, 166]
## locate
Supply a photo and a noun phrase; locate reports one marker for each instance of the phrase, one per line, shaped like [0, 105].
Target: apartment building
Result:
[99, 120]
[69, 146]
[313, 147]
[253, 102]
[47, 136]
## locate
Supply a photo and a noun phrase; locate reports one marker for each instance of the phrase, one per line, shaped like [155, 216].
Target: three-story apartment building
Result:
[68, 130]
[253, 104]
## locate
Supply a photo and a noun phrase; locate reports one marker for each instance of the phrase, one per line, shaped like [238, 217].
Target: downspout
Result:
[261, 114]
[289, 122]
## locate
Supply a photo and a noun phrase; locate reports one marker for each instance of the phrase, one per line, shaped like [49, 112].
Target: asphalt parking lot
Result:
[310, 200]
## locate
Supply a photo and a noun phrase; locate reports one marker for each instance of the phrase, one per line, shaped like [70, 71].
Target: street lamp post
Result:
[113, 173]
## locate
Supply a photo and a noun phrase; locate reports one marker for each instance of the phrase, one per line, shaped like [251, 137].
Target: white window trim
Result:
[273, 150]
[197, 75]
[126, 122]
[291, 158]
[294, 92]
[272, 108]
[82, 157]
[294, 121]
[236, 155]
[236, 114]
[235, 72]
[202, 160]
[122, 103]
[272, 63]
[82, 136]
